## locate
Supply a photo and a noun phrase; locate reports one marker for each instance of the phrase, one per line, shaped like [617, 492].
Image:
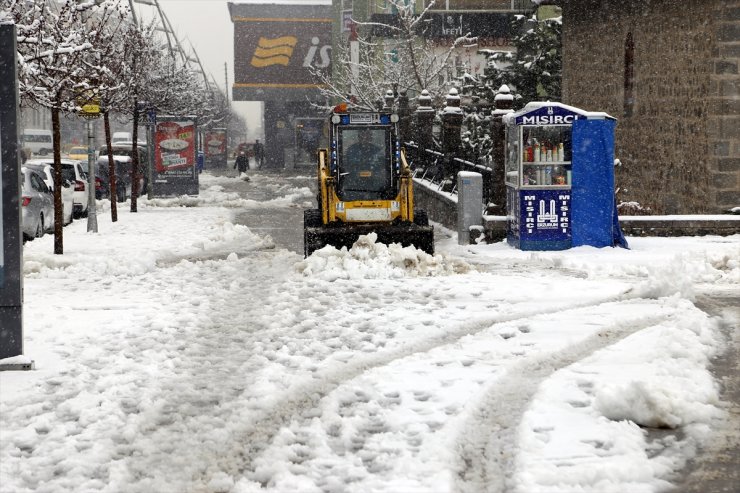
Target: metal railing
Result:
[441, 170]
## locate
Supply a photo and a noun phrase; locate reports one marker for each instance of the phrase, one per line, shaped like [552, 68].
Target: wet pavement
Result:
[283, 224]
[716, 468]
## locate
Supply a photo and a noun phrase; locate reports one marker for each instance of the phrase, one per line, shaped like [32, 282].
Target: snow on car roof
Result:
[50, 160]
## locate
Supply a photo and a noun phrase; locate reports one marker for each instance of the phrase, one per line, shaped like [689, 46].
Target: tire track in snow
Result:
[259, 430]
[217, 359]
[488, 443]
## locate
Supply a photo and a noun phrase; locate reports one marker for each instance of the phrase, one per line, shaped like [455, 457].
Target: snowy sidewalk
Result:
[178, 352]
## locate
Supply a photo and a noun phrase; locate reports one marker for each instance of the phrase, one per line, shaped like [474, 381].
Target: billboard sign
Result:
[214, 143]
[174, 156]
[276, 49]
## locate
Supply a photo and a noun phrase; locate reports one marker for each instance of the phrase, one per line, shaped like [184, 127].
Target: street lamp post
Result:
[90, 110]
[92, 215]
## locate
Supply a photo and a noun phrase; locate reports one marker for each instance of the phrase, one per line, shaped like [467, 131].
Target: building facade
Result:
[668, 71]
[278, 47]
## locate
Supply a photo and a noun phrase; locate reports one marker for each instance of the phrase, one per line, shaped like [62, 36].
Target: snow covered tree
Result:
[129, 54]
[54, 39]
[393, 55]
[534, 70]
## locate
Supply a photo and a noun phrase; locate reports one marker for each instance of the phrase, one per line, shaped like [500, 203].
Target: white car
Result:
[37, 205]
[45, 168]
[74, 171]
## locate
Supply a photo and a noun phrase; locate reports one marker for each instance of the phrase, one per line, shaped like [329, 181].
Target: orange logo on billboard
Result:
[276, 51]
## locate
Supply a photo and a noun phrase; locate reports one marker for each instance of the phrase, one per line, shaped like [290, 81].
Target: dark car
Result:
[122, 158]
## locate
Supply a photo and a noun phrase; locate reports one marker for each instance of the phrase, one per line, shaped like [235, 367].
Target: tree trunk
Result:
[111, 170]
[135, 160]
[58, 206]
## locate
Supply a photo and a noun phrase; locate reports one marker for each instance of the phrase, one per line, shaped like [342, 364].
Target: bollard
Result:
[469, 202]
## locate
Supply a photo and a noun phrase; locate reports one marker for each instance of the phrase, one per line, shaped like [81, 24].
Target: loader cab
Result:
[365, 155]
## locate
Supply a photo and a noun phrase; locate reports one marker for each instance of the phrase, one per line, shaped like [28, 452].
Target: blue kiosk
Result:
[560, 178]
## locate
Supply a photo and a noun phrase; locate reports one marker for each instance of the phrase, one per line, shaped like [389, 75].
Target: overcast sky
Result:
[206, 25]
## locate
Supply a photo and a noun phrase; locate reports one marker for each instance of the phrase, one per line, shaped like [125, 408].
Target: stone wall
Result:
[679, 148]
[440, 207]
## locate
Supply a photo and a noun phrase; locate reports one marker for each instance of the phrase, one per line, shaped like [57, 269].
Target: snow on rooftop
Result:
[535, 105]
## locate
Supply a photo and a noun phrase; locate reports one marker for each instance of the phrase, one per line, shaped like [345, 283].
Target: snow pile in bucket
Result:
[368, 259]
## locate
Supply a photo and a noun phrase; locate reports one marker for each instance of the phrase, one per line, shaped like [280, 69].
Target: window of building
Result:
[629, 75]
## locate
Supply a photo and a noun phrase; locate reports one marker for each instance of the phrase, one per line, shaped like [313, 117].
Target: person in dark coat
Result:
[242, 162]
[259, 154]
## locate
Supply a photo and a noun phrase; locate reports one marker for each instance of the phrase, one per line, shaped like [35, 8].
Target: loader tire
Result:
[311, 219]
[421, 218]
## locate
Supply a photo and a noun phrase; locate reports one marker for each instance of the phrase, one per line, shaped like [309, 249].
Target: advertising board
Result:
[214, 143]
[174, 156]
[2, 230]
[11, 246]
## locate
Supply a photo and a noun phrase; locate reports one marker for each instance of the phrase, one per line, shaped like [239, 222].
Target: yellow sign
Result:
[275, 51]
[90, 109]
[89, 104]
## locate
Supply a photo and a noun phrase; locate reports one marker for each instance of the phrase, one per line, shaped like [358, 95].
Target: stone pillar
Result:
[388, 100]
[422, 127]
[404, 116]
[452, 117]
[503, 105]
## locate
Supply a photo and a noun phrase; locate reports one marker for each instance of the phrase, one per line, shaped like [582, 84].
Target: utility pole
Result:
[226, 83]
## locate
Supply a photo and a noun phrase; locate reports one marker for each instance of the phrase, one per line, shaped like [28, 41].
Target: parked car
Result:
[123, 178]
[74, 171]
[37, 205]
[122, 156]
[78, 153]
[45, 168]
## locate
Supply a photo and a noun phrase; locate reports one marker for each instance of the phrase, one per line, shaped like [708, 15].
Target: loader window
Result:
[365, 164]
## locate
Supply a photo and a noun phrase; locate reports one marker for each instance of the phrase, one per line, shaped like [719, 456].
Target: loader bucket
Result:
[338, 236]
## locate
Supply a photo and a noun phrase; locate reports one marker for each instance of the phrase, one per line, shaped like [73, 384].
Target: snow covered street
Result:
[177, 351]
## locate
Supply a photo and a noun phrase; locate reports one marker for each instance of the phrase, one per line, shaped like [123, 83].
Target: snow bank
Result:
[368, 259]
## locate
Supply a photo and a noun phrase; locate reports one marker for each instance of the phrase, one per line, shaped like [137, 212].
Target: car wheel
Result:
[40, 227]
[121, 193]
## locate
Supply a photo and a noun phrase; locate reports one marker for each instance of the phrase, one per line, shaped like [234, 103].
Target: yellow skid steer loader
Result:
[365, 185]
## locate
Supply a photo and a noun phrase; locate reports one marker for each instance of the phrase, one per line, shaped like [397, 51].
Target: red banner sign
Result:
[174, 151]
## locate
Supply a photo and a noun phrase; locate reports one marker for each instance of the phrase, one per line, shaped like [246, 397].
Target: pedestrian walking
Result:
[259, 154]
[242, 163]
